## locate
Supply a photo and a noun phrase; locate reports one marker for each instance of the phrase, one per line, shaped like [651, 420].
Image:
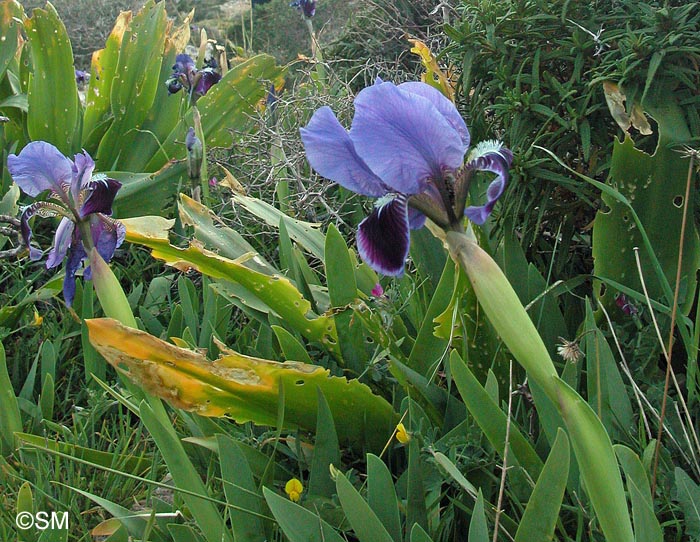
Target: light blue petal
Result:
[332, 154]
[446, 108]
[83, 167]
[403, 137]
[40, 166]
[61, 242]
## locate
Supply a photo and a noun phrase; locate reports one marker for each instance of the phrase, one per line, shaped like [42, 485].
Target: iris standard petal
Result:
[403, 138]
[61, 242]
[83, 166]
[496, 161]
[101, 196]
[183, 64]
[331, 153]
[446, 108]
[40, 166]
[383, 237]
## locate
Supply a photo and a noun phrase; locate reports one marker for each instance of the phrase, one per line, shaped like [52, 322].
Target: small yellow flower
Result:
[401, 434]
[294, 489]
[38, 319]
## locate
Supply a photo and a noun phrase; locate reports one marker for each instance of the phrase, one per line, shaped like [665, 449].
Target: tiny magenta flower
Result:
[402, 435]
[294, 488]
[81, 199]
[406, 147]
[377, 291]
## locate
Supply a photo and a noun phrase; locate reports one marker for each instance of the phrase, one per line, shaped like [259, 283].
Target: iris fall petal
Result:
[383, 237]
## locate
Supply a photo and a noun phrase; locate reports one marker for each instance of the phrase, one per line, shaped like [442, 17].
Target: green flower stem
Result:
[109, 291]
[203, 172]
[506, 313]
[591, 443]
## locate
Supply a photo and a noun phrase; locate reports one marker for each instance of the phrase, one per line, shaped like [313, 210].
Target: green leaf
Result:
[97, 116]
[590, 441]
[210, 230]
[10, 421]
[416, 511]
[275, 291]
[454, 472]
[491, 419]
[134, 465]
[542, 511]
[305, 234]
[478, 530]
[240, 490]
[429, 348]
[362, 519]
[135, 81]
[244, 388]
[381, 496]
[326, 451]
[607, 393]
[184, 475]
[10, 14]
[297, 523]
[342, 290]
[654, 186]
[292, 349]
[53, 108]
[646, 525]
[688, 495]
[418, 534]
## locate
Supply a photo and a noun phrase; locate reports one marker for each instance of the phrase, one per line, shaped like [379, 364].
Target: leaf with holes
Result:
[245, 388]
[655, 186]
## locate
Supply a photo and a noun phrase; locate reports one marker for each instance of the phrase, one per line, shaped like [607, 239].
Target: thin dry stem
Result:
[674, 311]
[501, 489]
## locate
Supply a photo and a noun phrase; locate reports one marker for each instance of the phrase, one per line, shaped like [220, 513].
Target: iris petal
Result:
[62, 241]
[498, 162]
[206, 81]
[416, 219]
[331, 153]
[383, 237]
[40, 166]
[403, 137]
[442, 104]
[107, 235]
[102, 194]
[83, 167]
[76, 254]
[26, 230]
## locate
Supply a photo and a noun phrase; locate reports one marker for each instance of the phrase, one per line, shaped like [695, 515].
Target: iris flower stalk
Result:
[86, 233]
[407, 147]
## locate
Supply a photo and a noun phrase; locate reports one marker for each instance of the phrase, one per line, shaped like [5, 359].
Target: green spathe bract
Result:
[589, 440]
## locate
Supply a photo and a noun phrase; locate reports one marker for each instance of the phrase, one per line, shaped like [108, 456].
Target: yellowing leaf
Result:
[434, 76]
[615, 98]
[244, 388]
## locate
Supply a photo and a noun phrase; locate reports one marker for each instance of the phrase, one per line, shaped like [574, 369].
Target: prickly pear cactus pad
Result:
[655, 185]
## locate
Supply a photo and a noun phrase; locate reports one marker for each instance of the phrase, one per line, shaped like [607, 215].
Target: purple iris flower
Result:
[196, 82]
[306, 7]
[82, 200]
[406, 147]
